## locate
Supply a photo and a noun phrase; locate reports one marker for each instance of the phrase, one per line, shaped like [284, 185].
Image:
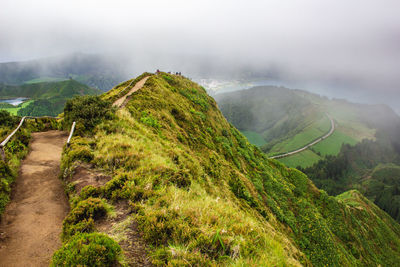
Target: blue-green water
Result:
[14, 101]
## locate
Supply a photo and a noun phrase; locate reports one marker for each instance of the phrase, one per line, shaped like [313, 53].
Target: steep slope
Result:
[49, 97]
[275, 113]
[169, 166]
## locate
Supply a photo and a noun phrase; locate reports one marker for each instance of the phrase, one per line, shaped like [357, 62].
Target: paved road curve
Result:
[310, 144]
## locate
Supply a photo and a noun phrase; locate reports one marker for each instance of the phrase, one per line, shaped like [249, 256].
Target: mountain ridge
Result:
[201, 194]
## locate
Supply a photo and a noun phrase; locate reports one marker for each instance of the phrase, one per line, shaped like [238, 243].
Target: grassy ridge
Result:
[201, 194]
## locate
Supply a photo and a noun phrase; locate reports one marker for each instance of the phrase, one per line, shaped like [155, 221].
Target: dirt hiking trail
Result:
[31, 225]
[121, 102]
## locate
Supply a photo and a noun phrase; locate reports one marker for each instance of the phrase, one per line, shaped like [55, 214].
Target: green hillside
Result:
[290, 119]
[371, 167]
[169, 173]
[46, 98]
[97, 71]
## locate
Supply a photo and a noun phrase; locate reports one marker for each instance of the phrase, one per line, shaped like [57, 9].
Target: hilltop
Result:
[167, 179]
[96, 71]
[46, 98]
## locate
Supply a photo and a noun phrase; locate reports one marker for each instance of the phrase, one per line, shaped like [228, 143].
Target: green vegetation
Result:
[201, 194]
[370, 166]
[47, 98]
[290, 119]
[295, 117]
[92, 249]
[87, 112]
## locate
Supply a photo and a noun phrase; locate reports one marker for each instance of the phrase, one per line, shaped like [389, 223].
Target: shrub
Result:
[90, 208]
[6, 119]
[84, 226]
[87, 110]
[93, 249]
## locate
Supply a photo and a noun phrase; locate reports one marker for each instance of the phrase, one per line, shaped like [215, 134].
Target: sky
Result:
[342, 47]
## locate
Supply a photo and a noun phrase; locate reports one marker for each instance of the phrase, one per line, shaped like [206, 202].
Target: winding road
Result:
[310, 144]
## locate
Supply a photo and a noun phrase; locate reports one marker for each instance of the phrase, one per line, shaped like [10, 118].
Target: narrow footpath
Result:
[31, 225]
[121, 102]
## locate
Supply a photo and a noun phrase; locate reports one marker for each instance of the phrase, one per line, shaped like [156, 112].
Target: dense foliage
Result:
[92, 249]
[202, 195]
[87, 112]
[41, 107]
[370, 166]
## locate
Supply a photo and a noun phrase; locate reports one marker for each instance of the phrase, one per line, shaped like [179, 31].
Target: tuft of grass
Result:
[88, 249]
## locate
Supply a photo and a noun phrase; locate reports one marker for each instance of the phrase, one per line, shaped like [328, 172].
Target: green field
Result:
[310, 133]
[329, 146]
[303, 159]
[332, 145]
[254, 138]
[15, 109]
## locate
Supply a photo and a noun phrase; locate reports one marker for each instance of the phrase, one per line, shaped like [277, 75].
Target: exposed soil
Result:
[83, 176]
[31, 225]
[121, 102]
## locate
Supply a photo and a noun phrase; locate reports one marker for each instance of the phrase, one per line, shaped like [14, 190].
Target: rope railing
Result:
[5, 141]
[71, 133]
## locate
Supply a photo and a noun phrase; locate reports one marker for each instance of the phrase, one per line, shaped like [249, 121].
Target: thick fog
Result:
[335, 47]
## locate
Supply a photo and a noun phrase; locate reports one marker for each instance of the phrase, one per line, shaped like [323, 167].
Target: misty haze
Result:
[199, 133]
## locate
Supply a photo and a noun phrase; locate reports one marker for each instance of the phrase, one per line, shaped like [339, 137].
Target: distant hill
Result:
[93, 70]
[46, 98]
[289, 119]
[363, 153]
[169, 171]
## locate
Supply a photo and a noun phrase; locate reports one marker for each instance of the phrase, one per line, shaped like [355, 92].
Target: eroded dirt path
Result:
[121, 102]
[31, 225]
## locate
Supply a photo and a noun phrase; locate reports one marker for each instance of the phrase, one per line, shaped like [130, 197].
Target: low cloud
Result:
[347, 46]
